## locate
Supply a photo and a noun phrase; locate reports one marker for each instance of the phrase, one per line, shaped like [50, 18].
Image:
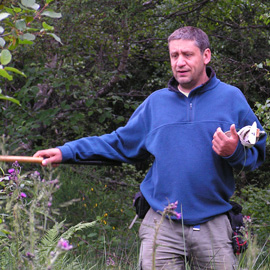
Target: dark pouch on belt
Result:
[141, 205]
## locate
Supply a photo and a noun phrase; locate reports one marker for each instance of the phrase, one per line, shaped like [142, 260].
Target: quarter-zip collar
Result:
[173, 84]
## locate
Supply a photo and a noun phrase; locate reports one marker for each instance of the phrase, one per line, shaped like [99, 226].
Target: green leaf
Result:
[17, 10]
[2, 234]
[20, 25]
[15, 70]
[55, 37]
[30, 4]
[28, 36]
[51, 14]
[2, 42]
[13, 46]
[10, 99]
[5, 57]
[4, 74]
[31, 29]
[26, 42]
[4, 15]
[10, 11]
[47, 27]
[29, 19]
[49, 1]
[120, 119]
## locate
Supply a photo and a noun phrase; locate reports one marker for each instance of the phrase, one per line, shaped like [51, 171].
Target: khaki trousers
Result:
[210, 247]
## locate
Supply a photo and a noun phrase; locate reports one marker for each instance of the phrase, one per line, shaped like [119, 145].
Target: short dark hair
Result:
[191, 33]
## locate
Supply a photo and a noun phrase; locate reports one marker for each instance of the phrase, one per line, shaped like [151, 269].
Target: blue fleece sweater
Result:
[178, 131]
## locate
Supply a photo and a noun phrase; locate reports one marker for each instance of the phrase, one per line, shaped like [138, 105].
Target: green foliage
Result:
[112, 55]
[256, 256]
[30, 236]
[105, 194]
[263, 113]
[256, 203]
[21, 22]
[239, 35]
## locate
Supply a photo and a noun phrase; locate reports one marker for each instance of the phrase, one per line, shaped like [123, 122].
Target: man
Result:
[183, 127]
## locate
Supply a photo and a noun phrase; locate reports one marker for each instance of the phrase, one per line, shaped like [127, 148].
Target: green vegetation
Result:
[80, 68]
[33, 237]
[19, 27]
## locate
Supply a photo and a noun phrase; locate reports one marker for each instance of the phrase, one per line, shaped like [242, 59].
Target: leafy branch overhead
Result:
[21, 24]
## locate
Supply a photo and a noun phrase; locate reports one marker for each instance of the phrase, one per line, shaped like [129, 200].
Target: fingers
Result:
[218, 141]
[224, 145]
[219, 134]
[233, 131]
[51, 156]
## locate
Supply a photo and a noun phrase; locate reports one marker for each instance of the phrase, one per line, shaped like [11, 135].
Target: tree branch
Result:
[120, 70]
[181, 13]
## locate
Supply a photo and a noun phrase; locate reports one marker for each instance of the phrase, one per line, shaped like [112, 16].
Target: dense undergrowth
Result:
[91, 209]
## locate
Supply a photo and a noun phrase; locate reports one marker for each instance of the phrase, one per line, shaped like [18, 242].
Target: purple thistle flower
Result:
[16, 164]
[174, 205]
[171, 206]
[11, 171]
[64, 244]
[23, 195]
[30, 255]
[170, 210]
[54, 182]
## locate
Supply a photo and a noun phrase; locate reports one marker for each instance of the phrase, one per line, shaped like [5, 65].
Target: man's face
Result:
[188, 63]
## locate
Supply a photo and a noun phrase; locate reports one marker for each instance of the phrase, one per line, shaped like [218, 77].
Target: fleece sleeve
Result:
[126, 144]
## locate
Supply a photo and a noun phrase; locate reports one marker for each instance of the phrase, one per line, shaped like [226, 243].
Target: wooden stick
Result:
[26, 159]
[21, 159]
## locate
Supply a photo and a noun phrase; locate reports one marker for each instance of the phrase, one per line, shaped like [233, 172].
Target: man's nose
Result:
[181, 61]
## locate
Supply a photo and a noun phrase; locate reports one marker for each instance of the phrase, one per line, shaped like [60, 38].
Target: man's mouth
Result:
[182, 72]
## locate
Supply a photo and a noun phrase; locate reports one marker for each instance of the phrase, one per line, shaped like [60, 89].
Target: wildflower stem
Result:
[155, 245]
[183, 235]
[31, 228]
[169, 211]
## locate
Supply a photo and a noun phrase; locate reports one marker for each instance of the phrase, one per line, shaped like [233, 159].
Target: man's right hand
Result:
[51, 156]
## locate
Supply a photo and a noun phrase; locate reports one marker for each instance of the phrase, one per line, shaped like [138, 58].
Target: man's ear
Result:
[207, 56]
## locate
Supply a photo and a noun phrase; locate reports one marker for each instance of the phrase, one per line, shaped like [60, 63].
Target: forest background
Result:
[83, 67]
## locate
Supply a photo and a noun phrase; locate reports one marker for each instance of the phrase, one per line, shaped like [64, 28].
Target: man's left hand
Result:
[224, 145]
